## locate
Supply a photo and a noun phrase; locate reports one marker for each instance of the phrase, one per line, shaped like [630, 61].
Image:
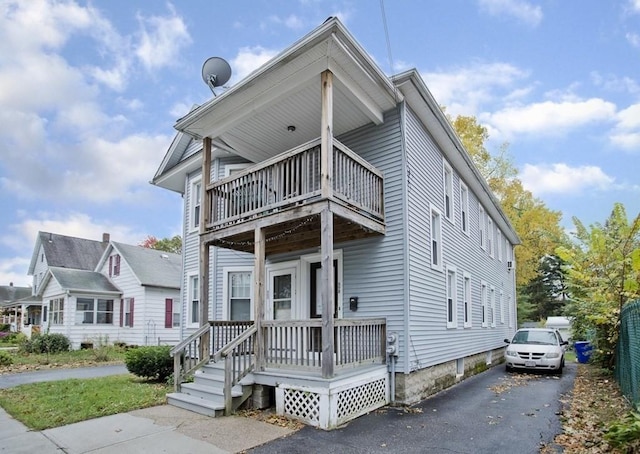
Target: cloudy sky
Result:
[90, 90]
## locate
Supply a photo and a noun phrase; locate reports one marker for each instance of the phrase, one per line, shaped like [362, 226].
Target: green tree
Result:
[173, 244]
[603, 270]
[547, 292]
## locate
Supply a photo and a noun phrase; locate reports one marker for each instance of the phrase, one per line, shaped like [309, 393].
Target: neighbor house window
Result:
[44, 315]
[482, 227]
[196, 203]
[94, 311]
[194, 300]
[436, 240]
[483, 302]
[464, 208]
[466, 299]
[171, 314]
[56, 311]
[126, 312]
[114, 265]
[452, 316]
[448, 191]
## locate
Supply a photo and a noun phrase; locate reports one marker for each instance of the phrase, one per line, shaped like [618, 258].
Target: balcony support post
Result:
[259, 272]
[326, 233]
[203, 280]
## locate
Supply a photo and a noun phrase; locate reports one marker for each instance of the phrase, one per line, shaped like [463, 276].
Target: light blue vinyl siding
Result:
[431, 342]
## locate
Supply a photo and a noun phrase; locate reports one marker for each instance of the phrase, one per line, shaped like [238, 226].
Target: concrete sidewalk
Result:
[162, 429]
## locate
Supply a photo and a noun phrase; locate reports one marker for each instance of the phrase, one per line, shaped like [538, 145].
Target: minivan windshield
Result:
[535, 337]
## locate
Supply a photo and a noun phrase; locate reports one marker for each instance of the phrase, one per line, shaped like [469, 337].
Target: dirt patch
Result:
[270, 417]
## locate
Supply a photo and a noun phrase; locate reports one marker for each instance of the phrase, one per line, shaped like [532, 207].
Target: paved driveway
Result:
[493, 412]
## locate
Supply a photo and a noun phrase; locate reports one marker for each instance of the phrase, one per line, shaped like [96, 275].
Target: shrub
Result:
[5, 358]
[625, 433]
[4, 327]
[150, 362]
[46, 343]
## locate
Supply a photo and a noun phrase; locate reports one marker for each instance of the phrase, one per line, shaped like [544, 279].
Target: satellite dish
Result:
[216, 72]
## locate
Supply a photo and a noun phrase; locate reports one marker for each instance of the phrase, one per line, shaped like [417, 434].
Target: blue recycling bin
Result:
[583, 351]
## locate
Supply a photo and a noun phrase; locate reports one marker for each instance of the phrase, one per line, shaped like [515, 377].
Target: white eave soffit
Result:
[297, 67]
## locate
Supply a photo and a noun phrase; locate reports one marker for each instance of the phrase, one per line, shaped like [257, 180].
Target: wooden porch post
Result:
[259, 270]
[205, 349]
[326, 234]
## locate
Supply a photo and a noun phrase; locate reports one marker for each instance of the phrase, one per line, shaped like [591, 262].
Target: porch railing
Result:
[239, 360]
[297, 344]
[293, 177]
[202, 345]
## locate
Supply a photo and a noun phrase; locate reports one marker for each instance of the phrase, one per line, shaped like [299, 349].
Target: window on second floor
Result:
[196, 205]
[499, 244]
[114, 265]
[490, 234]
[482, 227]
[464, 208]
[436, 240]
[448, 191]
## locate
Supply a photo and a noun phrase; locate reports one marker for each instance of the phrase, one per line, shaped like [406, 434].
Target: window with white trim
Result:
[56, 311]
[499, 244]
[94, 311]
[492, 295]
[436, 239]
[483, 302]
[448, 190]
[490, 236]
[501, 305]
[464, 208]
[482, 227]
[466, 299]
[239, 285]
[510, 311]
[452, 301]
[196, 204]
[194, 300]
[127, 318]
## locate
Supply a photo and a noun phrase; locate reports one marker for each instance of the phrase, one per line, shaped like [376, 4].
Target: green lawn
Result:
[74, 358]
[52, 404]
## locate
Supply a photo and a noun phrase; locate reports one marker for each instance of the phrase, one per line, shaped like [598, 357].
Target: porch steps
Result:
[205, 395]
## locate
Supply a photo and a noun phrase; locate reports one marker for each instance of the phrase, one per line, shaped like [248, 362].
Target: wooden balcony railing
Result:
[297, 344]
[293, 177]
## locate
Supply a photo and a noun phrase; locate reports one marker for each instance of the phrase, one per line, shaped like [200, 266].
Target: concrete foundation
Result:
[420, 384]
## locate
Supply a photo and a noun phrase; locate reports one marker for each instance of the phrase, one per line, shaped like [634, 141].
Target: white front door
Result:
[282, 293]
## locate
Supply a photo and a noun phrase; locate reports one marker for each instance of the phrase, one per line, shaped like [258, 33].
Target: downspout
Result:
[406, 329]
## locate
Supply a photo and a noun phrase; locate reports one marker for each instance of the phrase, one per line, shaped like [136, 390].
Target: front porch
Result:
[225, 360]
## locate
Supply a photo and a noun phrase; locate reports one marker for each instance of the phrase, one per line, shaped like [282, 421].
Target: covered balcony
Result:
[284, 196]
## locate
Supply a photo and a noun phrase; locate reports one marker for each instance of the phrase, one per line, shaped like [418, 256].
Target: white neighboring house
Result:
[326, 206]
[20, 309]
[562, 324]
[128, 295]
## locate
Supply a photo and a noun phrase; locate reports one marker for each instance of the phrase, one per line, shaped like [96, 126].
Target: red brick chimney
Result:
[106, 237]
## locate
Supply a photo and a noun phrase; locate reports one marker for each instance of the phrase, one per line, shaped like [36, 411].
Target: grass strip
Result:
[52, 404]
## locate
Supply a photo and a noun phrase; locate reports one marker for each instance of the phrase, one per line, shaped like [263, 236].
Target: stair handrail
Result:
[230, 351]
[180, 360]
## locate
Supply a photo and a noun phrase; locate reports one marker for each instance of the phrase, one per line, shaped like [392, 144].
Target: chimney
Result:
[10, 284]
[106, 237]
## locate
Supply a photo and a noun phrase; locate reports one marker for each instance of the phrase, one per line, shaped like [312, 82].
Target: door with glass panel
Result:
[282, 293]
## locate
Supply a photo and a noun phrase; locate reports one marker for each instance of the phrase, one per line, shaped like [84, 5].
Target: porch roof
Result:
[252, 119]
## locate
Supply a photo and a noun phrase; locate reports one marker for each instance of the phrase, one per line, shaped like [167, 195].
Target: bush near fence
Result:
[628, 353]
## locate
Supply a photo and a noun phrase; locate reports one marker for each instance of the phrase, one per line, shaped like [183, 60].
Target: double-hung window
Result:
[436, 239]
[483, 302]
[196, 204]
[194, 299]
[490, 236]
[466, 299]
[493, 306]
[114, 265]
[239, 295]
[127, 312]
[448, 191]
[464, 208]
[452, 316]
[499, 243]
[482, 227]
[171, 314]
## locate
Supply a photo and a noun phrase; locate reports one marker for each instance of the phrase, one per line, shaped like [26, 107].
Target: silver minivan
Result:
[535, 349]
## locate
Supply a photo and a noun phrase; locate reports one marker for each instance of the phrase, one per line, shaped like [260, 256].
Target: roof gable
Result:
[67, 252]
[152, 267]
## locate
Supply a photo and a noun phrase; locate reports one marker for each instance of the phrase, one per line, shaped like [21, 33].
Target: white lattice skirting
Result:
[333, 405]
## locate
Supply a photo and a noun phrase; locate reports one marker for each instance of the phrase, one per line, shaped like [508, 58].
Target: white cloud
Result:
[633, 39]
[626, 133]
[463, 90]
[161, 41]
[250, 59]
[614, 83]
[561, 178]
[522, 10]
[635, 5]
[549, 118]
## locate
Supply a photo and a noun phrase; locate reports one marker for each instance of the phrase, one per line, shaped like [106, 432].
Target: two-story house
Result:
[102, 292]
[340, 247]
